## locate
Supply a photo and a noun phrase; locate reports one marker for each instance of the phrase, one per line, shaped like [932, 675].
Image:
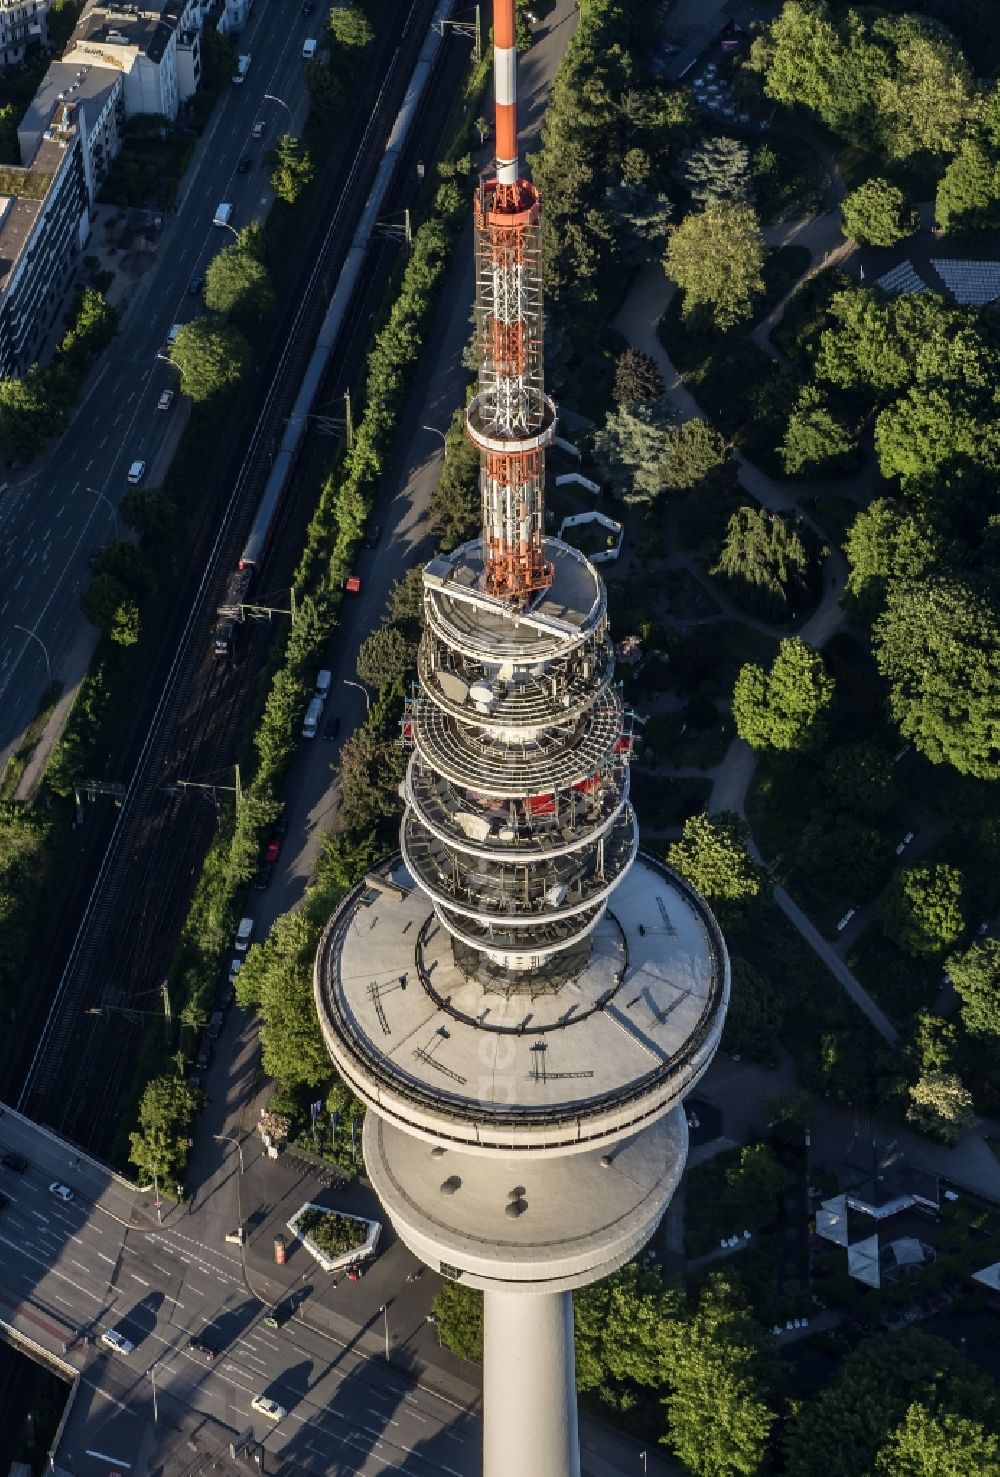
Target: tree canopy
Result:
[211, 357]
[277, 979]
[716, 257]
[938, 645]
[975, 976]
[764, 561]
[886, 542]
[694, 449]
[817, 439]
[712, 856]
[922, 909]
[717, 171]
[292, 167]
[938, 1444]
[631, 447]
[784, 708]
[236, 280]
[876, 214]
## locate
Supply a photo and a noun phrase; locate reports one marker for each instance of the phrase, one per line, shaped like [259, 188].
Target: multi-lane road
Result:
[60, 509]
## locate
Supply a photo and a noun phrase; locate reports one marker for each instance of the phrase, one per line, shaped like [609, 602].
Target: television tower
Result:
[521, 997]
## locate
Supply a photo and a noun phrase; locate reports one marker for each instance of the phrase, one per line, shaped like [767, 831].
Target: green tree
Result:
[371, 769]
[277, 979]
[642, 215]
[717, 259]
[694, 450]
[825, 65]
[975, 975]
[926, 104]
[622, 1326]
[10, 149]
[861, 779]
[712, 855]
[126, 626]
[636, 378]
[630, 449]
[324, 88]
[292, 168]
[166, 1110]
[459, 1313]
[30, 414]
[211, 357]
[237, 281]
[938, 645]
[718, 1419]
[931, 1444]
[885, 542]
[717, 171]
[764, 561]
[456, 502]
[149, 510]
[876, 214]
[816, 439]
[967, 201]
[350, 29]
[787, 707]
[755, 1014]
[941, 1105]
[386, 656]
[922, 909]
[853, 1417]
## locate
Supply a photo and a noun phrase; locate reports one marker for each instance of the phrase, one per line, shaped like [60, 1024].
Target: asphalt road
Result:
[61, 508]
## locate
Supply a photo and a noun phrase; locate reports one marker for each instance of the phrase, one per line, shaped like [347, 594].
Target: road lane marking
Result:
[102, 1456]
[142, 1280]
[38, 1216]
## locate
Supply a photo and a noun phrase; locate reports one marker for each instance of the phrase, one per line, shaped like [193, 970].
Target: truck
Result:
[230, 612]
[242, 68]
[314, 713]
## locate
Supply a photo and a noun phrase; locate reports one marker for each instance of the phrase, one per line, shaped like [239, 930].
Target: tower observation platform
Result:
[520, 996]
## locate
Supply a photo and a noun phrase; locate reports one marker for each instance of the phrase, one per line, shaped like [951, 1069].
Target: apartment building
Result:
[22, 24]
[44, 224]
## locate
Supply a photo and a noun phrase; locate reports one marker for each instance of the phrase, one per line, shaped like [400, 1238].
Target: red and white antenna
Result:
[511, 419]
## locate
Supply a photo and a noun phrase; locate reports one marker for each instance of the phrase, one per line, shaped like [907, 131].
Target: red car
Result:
[272, 850]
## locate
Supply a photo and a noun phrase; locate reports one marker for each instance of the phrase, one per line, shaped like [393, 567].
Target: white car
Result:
[258, 128]
[264, 1405]
[175, 329]
[61, 1192]
[234, 968]
[166, 400]
[136, 472]
[112, 1339]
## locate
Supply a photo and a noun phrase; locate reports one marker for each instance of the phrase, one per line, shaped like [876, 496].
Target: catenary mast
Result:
[521, 997]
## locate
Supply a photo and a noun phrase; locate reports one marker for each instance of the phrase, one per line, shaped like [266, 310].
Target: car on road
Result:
[216, 1021]
[112, 1339]
[245, 165]
[196, 284]
[166, 400]
[61, 1192]
[262, 877]
[204, 1058]
[272, 850]
[279, 826]
[136, 472]
[258, 128]
[234, 968]
[175, 329]
[264, 1405]
[203, 1348]
[225, 997]
[372, 535]
[16, 1162]
[332, 728]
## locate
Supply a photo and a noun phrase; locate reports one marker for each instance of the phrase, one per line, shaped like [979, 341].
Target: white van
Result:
[242, 68]
[323, 680]
[243, 935]
[136, 472]
[223, 214]
[314, 713]
[112, 1339]
[175, 329]
[309, 49]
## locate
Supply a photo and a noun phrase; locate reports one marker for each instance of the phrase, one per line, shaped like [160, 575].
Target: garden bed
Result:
[333, 1237]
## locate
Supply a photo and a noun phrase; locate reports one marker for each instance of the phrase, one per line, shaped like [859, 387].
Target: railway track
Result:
[130, 924]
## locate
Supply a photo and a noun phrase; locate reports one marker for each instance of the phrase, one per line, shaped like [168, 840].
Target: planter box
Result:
[360, 1253]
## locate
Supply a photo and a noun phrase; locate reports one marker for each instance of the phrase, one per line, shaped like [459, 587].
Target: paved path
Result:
[637, 321]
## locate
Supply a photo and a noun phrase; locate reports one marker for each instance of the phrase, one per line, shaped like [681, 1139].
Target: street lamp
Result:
[368, 701]
[231, 1139]
[111, 507]
[273, 98]
[384, 1310]
[226, 227]
[436, 432]
[45, 652]
[152, 1376]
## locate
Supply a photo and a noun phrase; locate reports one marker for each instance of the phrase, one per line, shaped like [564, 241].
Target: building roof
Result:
[83, 83]
[146, 28]
[879, 1179]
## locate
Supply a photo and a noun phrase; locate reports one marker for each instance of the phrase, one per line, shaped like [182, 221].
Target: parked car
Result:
[204, 1058]
[332, 728]
[372, 535]
[112, 1339]
[262, 877]
[166, 400]
[203, 1347]
[216, 1021]
[272, 850]
[234, 968]
[225, 997]
[245, 165]
[258, 128]
[61, 1192]
[16, 1162]
[196, 284]
[264, 1405]
[279, 826]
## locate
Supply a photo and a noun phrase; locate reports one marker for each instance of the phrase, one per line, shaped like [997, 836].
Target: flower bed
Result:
[333, 1237]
